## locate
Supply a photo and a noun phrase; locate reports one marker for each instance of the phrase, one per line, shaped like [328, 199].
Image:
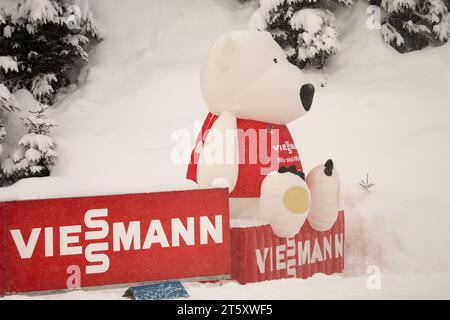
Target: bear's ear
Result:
[222, 51]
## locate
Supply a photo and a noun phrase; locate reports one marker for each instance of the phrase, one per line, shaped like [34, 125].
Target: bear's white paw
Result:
[285, 202]
[324, 184]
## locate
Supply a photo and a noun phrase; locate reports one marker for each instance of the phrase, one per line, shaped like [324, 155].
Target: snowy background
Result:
[381, 113]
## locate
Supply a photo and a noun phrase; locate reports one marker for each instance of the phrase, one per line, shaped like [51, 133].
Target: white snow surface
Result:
[381, 113]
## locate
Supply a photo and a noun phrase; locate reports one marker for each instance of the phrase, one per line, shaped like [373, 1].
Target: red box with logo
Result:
[258, 255]
[114, 240]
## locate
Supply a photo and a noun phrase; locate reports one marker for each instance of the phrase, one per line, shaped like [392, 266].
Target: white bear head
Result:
[247, 73]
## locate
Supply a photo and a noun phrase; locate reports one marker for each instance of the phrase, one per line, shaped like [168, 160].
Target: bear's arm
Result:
[219, 158]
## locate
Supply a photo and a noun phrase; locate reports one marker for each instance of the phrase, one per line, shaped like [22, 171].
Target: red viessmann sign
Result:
[110, 240]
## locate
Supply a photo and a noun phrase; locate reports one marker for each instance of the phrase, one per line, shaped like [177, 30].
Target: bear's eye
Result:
[275, 60]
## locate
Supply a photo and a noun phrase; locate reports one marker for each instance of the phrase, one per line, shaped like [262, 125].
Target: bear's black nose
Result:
[307, 96]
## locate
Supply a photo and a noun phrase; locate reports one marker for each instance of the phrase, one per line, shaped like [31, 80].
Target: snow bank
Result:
[63, 187]
[318, 287]
[385, 114]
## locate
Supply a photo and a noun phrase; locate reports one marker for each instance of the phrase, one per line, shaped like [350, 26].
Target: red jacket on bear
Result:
[261, 151]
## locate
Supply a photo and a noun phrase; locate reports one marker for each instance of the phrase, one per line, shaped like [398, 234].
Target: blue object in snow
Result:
[158, 291]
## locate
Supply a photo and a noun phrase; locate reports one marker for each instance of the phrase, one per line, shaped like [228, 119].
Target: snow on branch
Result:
[398, 5]
[38, 10]
[8, 63]
[305, 29]
[317, 32]
[36, 152]
[392, 36]
[41, 85]
[412, 24]
[7, 101]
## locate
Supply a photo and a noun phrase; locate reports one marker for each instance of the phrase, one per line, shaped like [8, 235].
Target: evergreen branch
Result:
[366, 185]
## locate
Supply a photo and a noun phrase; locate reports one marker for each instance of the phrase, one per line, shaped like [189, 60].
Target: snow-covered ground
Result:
[381, 113]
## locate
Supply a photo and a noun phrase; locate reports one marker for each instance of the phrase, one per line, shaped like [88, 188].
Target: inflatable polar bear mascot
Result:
[252, 92]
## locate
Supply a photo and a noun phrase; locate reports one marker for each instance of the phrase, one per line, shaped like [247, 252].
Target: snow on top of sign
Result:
[241, 223]
[58, 187]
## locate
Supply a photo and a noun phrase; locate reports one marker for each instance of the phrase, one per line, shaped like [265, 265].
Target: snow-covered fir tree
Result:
[43, 43]
[13, 168]
[305, 29]
[412, 24]
[43, 47]
[436, 16]
[36, 152]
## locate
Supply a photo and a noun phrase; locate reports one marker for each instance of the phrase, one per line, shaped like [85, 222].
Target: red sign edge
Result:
[2, 249]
